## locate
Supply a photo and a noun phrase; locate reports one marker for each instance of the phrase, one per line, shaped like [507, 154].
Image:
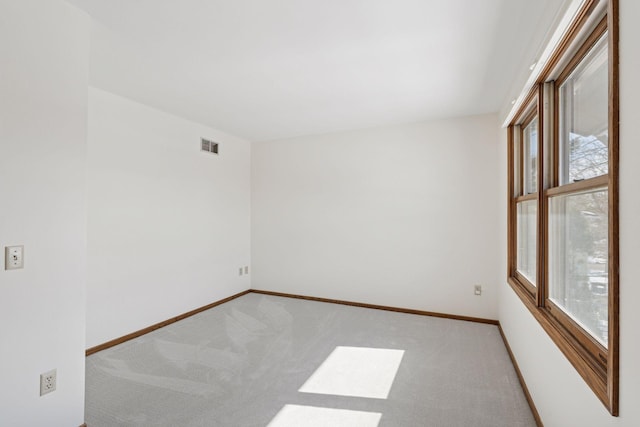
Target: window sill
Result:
[595, 374]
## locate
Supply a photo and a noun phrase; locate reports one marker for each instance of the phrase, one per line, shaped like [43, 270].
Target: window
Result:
[530, 156]
[563, 204]
[526, 238]
[578, 253]
[526, 149]
[584, 136]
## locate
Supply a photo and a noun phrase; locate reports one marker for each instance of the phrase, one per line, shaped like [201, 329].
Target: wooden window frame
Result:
[528, 115]
[597, 365]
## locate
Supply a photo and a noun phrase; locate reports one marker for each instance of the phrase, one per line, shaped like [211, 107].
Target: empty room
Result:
[299, 213]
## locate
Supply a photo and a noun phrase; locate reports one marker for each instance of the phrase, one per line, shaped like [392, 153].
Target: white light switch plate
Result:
[13, 257]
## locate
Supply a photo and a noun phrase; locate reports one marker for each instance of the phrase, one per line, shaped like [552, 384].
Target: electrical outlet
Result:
[246, 269]
[240, 271]
[477, 290]
[48, 382]
[13, 257]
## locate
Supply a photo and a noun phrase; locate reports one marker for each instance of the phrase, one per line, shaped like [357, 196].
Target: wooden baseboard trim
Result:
[379, 307]
[162, 324]
[532, 405]
[159, 325]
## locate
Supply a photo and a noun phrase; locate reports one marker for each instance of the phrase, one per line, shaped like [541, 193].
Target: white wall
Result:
[404, 216]
[561, 396]
[168, 225]
[44, 53]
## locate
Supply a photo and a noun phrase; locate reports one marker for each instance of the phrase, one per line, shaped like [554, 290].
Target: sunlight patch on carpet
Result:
[356, 372]
[311, 416]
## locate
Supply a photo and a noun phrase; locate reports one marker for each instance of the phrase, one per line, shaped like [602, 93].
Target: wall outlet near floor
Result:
[477, 290]
[246, 269]
[48, 382]
[240, 270]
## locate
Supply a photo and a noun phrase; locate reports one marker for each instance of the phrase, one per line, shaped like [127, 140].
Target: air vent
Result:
[208, 146]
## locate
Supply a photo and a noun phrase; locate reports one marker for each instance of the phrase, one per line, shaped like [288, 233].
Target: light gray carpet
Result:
[240, 363]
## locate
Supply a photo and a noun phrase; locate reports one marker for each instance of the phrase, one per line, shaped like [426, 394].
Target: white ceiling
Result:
[271, 69]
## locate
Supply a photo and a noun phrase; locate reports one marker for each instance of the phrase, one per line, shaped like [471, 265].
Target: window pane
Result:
[584, 123]
[526, 258]
[530, 148]
[578, 258]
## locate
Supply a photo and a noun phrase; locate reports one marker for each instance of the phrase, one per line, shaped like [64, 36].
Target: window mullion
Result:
[614, 122]
[542, 185]
[547, 173]
[511, 209]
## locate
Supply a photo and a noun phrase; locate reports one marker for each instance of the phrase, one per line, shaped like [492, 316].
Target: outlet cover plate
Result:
[48, 382]
[13, 257]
